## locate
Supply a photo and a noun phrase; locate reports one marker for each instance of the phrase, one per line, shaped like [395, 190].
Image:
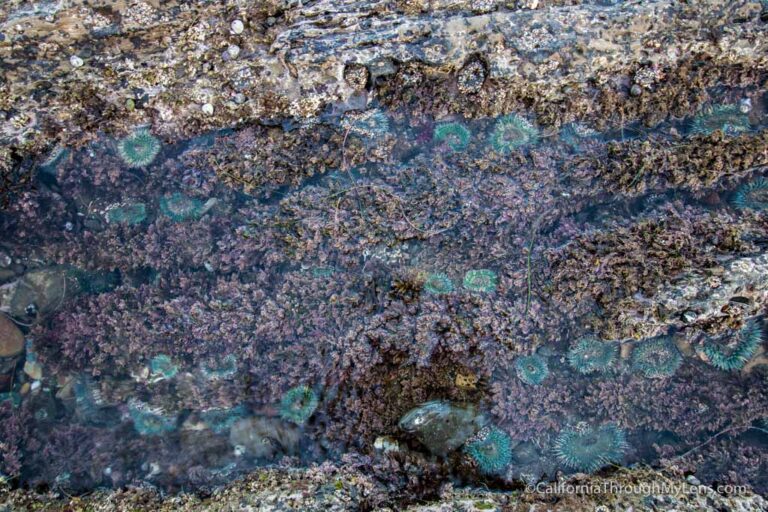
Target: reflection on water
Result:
[379, 284]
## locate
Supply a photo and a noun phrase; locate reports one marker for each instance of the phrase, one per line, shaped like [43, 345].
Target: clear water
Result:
[371, 264]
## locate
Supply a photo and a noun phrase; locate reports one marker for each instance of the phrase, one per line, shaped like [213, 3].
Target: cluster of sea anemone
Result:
[656, 358]
[588, 448]
[138, 149]
[590, 355]
[481, 280]
[162, 367]
[221, 420]
[179, 207]
[438, 284]
[752, 195]
[454, 135]
[371, 124]
[491, 449]
[532, 369]
[739, 351]
[513, 132]
[727, 118]
[220, 369]
[149, 421]
[126, 213]
[298, 404]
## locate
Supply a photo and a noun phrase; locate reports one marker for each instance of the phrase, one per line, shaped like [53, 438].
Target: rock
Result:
[237, 27]
[264, 438]
[34, 370]
[11, 338]
[442, 426]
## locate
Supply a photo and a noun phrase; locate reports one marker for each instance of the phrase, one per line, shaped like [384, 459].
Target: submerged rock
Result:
[264, 438]
[442, 426]
[11, 339]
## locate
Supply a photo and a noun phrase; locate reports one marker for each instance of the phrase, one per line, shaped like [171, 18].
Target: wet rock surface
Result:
[385, 206]
[328, 487]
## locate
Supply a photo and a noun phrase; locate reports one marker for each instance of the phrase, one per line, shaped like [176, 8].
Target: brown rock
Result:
[11, 339]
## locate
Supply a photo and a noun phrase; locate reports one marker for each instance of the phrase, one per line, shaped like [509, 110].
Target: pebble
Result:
[745, 105]
[34, 370]
[636, 90]
[233, 51]
[240, 98]
[208, 109]
[693, 480]
[76, 61]
[237, 27]
[11, 339]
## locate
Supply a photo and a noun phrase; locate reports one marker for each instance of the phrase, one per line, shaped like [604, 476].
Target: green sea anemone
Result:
[590, 355]
[126, 213]
[656, 358]
[323, 271]
[220, 369]
[370, 124]
[438, 284]
[491, 449]
[58, 154]
[298, 404]
[148, 421]
[532, 369]
[221, 420]
[574, 134]
[162, 366]
[586, 448]
[480, 280]
[739, 351]
[455, 135]
[752, 195]
[179, 207]
[513, 132]
[727, 118]
[138, 149]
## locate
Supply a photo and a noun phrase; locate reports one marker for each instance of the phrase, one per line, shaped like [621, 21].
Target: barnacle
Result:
[741, 349]
[752, 195]
[455, 135]
[491, 449]
[589, 355]
[471, 77]
[480, 280]
[656, 358]
[586, 448]
[298, 404]
[513, 132]
[532, 369]
[138, 149]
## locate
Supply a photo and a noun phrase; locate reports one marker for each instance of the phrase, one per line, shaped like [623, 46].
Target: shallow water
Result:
[287, 295]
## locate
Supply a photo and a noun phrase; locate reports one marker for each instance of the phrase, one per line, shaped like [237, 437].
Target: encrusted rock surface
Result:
[329, 488]
[69, 69]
